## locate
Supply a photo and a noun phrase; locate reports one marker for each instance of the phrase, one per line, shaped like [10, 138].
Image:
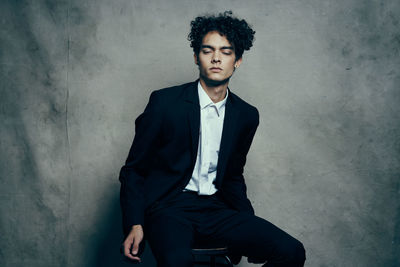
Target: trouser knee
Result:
[289, 254]
[298, 253]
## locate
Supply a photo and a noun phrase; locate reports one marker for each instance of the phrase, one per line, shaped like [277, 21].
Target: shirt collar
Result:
[206, 101]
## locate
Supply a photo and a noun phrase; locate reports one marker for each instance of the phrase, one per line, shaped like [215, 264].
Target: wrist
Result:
[136, 226]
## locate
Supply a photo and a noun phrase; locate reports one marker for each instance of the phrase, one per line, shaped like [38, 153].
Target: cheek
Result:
[231, 69]
[203, 59]
[202, 63]
[230, 65]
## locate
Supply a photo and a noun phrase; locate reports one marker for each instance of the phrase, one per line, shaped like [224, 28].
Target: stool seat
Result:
[212, 253]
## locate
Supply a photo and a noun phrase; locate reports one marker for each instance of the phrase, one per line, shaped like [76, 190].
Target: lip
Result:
[215, 69]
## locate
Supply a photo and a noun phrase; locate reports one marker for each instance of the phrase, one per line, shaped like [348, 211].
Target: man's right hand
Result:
[132, 241]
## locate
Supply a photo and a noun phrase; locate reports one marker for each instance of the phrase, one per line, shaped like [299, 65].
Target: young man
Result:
[183, 183]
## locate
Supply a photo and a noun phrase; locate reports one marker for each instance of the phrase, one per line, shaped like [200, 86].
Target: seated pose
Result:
[182, 183]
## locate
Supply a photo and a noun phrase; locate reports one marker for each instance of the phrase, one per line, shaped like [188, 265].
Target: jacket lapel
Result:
[193, 112]
[228, 134]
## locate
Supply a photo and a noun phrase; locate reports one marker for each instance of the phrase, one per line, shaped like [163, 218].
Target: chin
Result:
[215, 82]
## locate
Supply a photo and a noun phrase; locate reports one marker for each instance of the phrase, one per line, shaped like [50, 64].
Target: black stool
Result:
[212, 254]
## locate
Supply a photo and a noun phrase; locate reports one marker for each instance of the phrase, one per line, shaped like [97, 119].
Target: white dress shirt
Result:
[211, 124]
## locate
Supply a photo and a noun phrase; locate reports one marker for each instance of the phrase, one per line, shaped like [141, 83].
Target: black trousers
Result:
[175, 226]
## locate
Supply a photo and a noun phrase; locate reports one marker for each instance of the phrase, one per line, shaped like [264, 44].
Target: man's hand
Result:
[132, 241]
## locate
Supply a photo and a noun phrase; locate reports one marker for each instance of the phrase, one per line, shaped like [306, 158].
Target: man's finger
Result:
[135, 258]
[126, 249]
[135, 247]
[128, 254]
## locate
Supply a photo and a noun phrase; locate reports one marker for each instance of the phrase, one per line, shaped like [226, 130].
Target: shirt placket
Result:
[205, 163]
[210, 114]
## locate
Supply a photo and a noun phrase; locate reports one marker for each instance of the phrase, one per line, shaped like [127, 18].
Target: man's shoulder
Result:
[168, 96]
[246, 107]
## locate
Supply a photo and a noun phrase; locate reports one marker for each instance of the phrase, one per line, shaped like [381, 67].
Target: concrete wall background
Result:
[324, 165]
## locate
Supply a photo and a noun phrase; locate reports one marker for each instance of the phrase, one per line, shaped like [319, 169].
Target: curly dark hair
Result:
[237, 31]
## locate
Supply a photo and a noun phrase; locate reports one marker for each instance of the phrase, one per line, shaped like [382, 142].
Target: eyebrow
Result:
[213, 48]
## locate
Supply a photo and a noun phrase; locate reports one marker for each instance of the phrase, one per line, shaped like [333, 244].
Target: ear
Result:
[196, 61]
[238, 62]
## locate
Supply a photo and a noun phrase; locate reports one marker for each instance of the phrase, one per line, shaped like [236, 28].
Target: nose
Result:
[215, 58]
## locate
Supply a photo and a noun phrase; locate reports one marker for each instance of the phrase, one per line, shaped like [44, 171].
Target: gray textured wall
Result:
[325, 163]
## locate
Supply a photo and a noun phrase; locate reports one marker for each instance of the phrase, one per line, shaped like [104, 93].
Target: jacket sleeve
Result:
[234, 188]
[139, 162]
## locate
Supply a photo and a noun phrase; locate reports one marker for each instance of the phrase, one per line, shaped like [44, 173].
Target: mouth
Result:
[215, 69]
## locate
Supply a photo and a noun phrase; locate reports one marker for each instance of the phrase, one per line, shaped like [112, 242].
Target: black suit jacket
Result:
[163, 153]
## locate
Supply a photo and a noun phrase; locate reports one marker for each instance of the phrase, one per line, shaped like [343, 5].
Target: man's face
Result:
[216, 59]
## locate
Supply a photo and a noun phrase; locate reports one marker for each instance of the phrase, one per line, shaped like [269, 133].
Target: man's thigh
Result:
[258, 239]
[170, 238]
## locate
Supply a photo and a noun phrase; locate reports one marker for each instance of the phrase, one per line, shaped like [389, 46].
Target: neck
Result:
[215, 90]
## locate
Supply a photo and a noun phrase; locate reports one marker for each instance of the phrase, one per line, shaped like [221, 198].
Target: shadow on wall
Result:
[32, 135]
[108, 253]
[396, 239]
